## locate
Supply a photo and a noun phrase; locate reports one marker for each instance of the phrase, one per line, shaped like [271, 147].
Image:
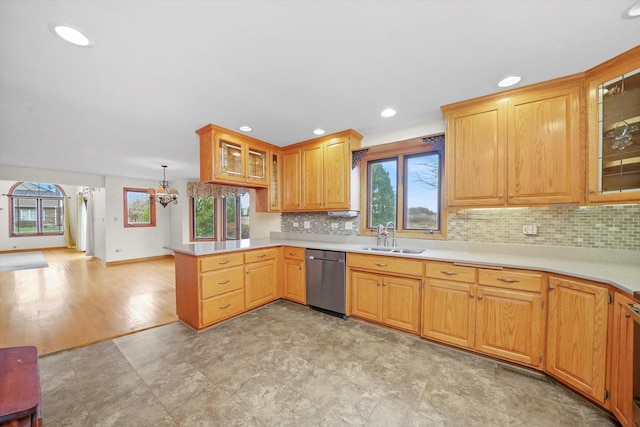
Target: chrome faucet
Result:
[394, 243]
[382, 235]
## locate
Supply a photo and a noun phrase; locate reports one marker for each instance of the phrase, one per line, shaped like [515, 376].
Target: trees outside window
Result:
[36, 209]
[402, 185]
[203, 218]
[233, 212]
[139, 208]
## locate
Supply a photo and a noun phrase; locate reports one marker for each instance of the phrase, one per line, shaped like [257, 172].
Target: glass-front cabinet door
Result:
[257, 165]
[614, 130]
[619, 133]
[230, 166]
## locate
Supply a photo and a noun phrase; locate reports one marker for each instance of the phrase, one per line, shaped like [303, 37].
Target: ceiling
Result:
[159, 70]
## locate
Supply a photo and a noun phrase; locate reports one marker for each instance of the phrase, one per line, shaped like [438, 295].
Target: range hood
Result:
[344, 214]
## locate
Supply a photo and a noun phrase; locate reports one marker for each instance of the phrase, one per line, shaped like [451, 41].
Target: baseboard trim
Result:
[135, 260]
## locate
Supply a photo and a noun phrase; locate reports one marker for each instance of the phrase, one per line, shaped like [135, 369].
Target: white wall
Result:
[124, 243]
[99, 232]
[434, 127]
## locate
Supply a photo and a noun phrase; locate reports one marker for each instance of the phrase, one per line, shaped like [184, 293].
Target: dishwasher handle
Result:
[325, 259]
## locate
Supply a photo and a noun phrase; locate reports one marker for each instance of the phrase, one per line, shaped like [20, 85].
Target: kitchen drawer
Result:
[217, 262]
[260, 255]
[449, 271]
[221, 281]
[385, 264]
[290, 252]
[511, 279]
[222, 306]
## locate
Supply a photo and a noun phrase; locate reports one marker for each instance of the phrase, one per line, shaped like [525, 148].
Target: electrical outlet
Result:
[307, 224]
[530, 230]
[348, 225]
[334, 225]
[296, 224]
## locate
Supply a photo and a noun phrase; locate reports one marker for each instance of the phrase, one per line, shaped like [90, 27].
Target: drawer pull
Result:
[224, 282]
[479, 297]
[225, 306]
[551, 287]
[261, 256]
[449, 273]
[292, 254]
[226, 261]
[508, 280]
[471, 295]
[381, 264]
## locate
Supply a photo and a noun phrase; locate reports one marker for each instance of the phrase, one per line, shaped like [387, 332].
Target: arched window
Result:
[36, 208]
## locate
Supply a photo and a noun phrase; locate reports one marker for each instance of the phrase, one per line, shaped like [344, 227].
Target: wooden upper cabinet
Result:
[291, 180]
[324, 172]
[544, 157]
[270, 199]
[312, 177]
[228, 157]
[613, 114]
[475, 154]
[577, 335]
[516, 148]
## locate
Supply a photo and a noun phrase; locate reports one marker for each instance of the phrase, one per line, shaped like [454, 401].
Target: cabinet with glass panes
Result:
[228, 157]
[614, 130]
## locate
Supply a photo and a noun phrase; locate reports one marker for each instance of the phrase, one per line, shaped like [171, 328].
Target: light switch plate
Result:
[348, 225]
[307, 224]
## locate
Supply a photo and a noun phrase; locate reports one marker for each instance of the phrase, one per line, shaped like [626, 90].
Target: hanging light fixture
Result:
[164, 195]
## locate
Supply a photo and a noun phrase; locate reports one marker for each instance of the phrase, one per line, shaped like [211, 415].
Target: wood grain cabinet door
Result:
[448, 311]
[312, 177]
[476, 156]
[544, 156]
[291, 180]
[294, 280]
[260, 283]
[366, 297]
[622, 361]
[509, 325]
[577, 335]
[337, 165]
[401, 302]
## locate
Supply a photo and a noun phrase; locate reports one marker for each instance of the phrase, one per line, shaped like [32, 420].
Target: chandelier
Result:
[164, 195]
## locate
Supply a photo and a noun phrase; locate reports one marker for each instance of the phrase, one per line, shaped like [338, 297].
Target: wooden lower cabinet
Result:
[577, 335]
[222, 306]
[622, 361]
[260, 285]
[391, 300]
[449, 312]
[295, 286]
[509, 325]
[503, 316]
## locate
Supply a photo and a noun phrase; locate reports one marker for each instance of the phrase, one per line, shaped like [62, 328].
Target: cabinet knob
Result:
[479, 297]
[500, 196]
[471, 295]
[551, 287]
[511, 196]
[591, 191]
[384, 284]
[627, 315]
[377, 283]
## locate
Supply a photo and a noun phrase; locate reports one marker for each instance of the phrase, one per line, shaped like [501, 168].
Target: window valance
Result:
[203, 189]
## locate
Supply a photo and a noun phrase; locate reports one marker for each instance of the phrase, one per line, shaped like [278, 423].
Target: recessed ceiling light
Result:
[633, 11]
[70, 34]
[509, 81]
[388, 112]
[318, 132]
[245, 128]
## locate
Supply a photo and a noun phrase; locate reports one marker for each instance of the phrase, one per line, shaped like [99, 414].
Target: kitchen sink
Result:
[393, 250]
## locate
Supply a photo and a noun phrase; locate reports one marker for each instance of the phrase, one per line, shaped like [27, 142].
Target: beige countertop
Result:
[594, 265]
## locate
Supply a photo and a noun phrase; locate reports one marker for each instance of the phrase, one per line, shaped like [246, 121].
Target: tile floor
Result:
[287, 365]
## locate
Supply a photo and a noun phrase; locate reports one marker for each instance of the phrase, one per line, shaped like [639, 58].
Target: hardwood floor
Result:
[78, 301]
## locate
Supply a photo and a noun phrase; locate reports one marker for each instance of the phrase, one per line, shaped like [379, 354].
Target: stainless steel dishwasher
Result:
[326, 289]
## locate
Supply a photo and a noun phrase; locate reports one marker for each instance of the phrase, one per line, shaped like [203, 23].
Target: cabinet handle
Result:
[224, 282]
[261, 256]
[383, 284]
[591, 191]
[479, 297]
[449, 273]
[551, 287]
[377, 283]
[226, 261]
[627, 315]
[381, 264]
[511, 196]
[225, 306]
[508, 280]
[500, 196]
[292, 254]
[471, 295]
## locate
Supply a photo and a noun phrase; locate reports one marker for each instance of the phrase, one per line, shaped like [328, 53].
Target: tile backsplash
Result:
[599, 227]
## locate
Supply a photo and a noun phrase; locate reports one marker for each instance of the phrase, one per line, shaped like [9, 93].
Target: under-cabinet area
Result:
[570, 328]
